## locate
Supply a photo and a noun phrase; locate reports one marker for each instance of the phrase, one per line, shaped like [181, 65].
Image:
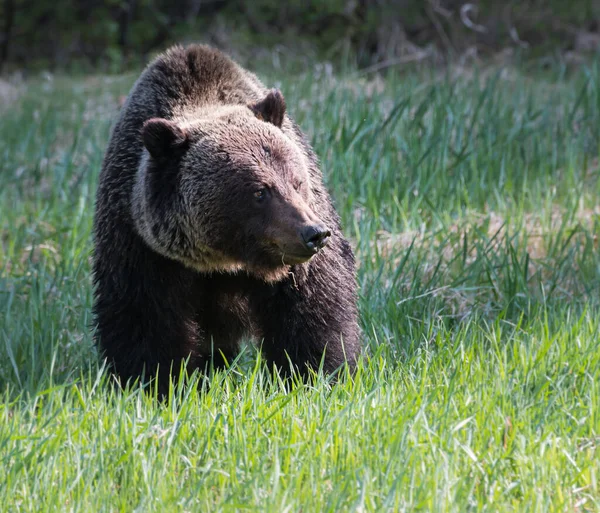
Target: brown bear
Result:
[212, 224]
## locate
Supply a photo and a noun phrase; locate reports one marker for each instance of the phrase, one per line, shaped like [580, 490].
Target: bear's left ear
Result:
[271, 108]
[162, 137]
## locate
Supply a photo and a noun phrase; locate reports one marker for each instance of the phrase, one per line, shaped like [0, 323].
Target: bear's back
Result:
[192, 77]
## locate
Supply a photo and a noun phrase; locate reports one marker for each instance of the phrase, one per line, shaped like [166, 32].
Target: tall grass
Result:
[471, 202]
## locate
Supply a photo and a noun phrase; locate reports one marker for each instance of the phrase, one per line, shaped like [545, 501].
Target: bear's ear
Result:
[162, 137]
[271, 108]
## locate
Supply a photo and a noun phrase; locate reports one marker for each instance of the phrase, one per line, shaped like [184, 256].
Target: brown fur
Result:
[207, 192]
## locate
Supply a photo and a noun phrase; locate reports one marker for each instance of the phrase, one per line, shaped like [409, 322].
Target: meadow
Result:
[471, 200]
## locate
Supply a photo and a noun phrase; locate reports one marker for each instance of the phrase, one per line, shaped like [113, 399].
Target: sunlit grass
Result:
[471, 202]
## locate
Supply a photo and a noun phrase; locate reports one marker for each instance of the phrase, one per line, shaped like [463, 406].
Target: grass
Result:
[471, 201]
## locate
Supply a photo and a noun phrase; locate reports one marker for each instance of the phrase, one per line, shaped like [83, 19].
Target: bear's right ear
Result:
[162, 137]
[271, 108]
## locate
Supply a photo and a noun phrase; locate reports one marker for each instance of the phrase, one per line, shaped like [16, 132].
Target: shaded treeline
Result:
[60, 32]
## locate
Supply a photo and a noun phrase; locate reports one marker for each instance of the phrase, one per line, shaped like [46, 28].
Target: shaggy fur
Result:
[205, 187]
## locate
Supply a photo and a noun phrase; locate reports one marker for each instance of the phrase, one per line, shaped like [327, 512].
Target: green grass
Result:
[472, 202]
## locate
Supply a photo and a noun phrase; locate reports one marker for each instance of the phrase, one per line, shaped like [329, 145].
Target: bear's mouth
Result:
[292, 259]
[283, 256]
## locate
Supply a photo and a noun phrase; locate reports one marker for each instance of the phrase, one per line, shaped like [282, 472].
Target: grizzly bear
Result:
[212, 224]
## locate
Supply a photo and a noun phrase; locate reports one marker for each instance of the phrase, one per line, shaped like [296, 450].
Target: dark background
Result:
[116, 34]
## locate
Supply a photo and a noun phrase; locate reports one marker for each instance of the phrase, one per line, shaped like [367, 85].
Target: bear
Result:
[212, 225]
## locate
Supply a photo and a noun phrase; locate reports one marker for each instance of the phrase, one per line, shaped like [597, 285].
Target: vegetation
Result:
[471, 201]
[115, 34]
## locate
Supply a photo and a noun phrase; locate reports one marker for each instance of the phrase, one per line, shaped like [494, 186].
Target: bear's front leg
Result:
[311, 317]
[146, 315]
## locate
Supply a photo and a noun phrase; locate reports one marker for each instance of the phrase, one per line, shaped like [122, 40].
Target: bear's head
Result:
[228, 191]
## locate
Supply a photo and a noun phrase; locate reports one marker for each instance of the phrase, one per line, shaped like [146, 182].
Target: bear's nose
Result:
[315, 237]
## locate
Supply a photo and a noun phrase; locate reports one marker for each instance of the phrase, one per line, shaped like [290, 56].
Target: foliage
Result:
[118, 33]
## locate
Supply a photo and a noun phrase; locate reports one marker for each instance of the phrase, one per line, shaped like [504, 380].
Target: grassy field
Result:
[471, 199]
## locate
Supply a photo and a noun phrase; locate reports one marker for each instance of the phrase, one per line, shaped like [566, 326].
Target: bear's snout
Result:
[315, 237]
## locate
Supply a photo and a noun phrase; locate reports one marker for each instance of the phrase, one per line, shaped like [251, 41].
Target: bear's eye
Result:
[260, 195]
